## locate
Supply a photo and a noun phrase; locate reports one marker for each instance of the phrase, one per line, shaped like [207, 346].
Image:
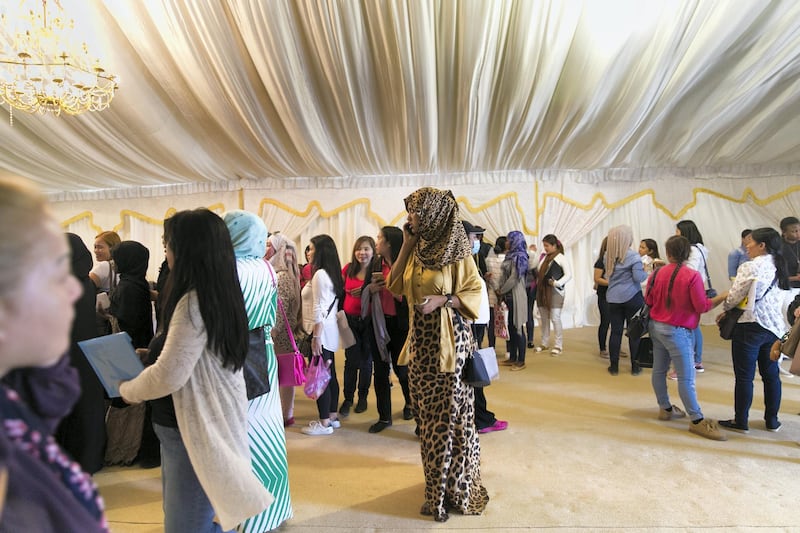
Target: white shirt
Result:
[766, 311]
[318, 295]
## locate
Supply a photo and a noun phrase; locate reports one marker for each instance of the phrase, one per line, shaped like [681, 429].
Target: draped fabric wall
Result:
[222, 91]
[579, 214]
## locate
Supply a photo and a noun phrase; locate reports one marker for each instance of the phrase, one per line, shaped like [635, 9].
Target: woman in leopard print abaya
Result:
[435, 272]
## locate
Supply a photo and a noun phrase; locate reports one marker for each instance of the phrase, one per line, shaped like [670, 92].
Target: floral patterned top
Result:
[47, 489]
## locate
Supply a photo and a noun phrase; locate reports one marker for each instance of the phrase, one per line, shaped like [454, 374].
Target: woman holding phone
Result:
[434, 269]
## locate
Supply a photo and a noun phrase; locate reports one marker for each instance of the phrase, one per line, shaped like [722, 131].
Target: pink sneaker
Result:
[672, 375]
[499, 425]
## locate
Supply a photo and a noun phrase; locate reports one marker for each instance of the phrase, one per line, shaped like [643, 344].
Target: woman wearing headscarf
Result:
[206, 473]
[761, 279]
[282, 255]
[131, 306]
[83, 431]
[435, 272]
[512, 288]
[625, 275]
[43, 488]
[264, 419]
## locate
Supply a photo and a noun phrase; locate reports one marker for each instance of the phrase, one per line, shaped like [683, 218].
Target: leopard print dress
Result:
[445, 413]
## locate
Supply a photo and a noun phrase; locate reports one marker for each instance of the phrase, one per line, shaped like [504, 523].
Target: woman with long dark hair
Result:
[601, 287]
[205, 455]
[761, 279]
[395, 311]
[434, 270]
[698, 260]
[677, 299]
[320, 298]
[648, 251]
[357, 277]
[553, 275]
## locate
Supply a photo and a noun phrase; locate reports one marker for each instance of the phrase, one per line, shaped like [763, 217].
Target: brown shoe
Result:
[518, 366]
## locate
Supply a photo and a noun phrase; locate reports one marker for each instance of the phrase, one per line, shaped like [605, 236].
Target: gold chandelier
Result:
[44, 70]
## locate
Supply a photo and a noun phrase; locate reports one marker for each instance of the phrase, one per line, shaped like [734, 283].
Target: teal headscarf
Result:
[248, 234]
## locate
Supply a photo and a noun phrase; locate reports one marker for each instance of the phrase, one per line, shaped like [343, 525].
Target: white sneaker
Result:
[316, 428]
[335, 424]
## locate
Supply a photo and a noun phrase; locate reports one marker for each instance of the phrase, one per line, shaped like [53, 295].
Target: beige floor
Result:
[583, 452]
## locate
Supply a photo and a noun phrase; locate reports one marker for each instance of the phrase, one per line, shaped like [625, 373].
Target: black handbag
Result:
[475, 372]
[640, 321]
[727, 322]
[256, 372]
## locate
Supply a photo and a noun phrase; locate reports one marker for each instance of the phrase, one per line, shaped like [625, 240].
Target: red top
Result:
[688, 301]
[305, 274]
[352, 304]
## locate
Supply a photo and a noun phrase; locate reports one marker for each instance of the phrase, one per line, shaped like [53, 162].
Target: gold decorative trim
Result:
[314, 204]
[80, 216]
[218, 207]
[746, 193]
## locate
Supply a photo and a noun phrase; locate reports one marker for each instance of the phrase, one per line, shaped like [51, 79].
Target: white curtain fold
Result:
[223, 92]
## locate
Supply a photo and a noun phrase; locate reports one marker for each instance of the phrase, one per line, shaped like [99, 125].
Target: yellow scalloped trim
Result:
[747, 193]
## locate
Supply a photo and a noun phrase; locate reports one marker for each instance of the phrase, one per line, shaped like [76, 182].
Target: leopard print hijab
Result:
[442, 239]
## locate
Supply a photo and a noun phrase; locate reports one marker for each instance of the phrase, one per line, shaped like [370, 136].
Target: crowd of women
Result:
[415, 300]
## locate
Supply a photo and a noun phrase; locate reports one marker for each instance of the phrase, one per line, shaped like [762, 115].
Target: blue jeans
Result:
[186, 506]
[620, 314]
[750, 346]
[673, 343]
[697, 343]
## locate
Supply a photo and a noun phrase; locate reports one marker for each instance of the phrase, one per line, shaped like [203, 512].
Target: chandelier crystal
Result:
[44, 69]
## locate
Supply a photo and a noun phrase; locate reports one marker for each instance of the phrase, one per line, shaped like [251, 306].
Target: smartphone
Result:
[408, 228]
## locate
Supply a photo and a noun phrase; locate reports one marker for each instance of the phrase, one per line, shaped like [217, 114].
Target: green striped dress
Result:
[264, 416]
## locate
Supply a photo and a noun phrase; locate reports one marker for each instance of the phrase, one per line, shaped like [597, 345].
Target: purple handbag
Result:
[317, 377]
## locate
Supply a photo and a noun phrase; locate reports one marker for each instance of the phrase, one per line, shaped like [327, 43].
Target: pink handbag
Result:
[291, 366]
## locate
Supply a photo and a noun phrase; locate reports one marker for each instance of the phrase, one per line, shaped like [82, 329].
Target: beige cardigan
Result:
[211, 408]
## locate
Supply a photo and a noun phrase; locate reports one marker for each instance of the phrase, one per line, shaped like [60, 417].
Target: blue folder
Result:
[113, 359]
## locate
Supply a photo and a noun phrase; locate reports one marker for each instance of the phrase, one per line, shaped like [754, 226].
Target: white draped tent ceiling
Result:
[565, 117]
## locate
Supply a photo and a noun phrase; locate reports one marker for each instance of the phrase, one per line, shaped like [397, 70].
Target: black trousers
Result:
[358, 359]
[383, 392]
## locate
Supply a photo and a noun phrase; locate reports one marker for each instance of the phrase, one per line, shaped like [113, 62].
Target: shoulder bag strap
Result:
[653, 279]
[705, 265]
[283, 313]
[766, 291]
